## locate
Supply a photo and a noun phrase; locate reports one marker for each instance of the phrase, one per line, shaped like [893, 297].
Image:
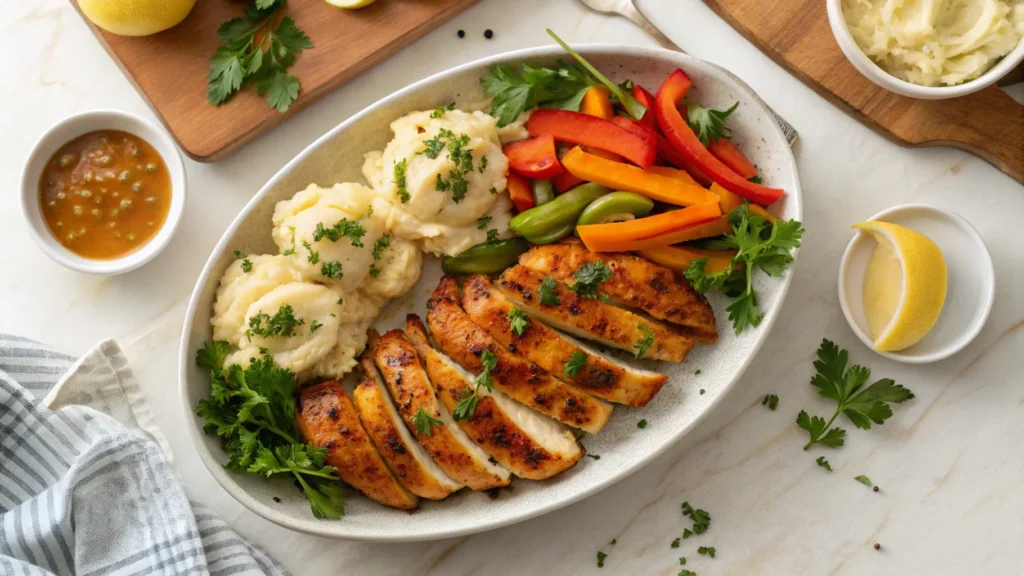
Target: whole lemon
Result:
[135, 17]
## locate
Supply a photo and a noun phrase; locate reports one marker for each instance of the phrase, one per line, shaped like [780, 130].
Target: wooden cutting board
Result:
[169, 69]
[796, 34]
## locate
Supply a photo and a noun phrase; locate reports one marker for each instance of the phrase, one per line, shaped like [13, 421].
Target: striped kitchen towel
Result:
[86, 485]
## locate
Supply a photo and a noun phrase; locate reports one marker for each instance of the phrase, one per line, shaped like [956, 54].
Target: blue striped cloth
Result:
[86, 485]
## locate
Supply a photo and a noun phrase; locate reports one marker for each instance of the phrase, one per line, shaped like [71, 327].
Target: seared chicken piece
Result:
[599, 375]
[446, 443]
[462, 340]
[327, 419]
[635, 282]
[529, 444]
[409, 461]
[592, 319]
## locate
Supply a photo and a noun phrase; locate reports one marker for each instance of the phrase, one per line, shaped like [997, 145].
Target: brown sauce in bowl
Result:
[105, 194]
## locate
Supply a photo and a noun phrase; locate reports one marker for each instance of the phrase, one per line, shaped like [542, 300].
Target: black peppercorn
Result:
[878, 546]
[488, 34]
[462, 33]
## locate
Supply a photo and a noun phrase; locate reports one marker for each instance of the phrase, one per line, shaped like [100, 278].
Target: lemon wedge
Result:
[135, 17]
[904, 286]
[350, 4]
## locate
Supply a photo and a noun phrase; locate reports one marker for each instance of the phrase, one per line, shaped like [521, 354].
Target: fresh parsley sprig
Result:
[514, 92]
[255, 49]
[759, 244]
[252, 410]
[547, 294]
[425, 423]
[466, 407]
[640, 348]
[588, 277]
[517, 321]
[575, 364]
[862, 405]
[707, 123]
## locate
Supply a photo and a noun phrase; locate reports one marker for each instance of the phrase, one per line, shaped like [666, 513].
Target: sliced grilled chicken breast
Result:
[529, 444]
[592, 319]
[599, 375]
[635, 282]
[462, 340]
[409, 461]
[327, 419]
[446, 443]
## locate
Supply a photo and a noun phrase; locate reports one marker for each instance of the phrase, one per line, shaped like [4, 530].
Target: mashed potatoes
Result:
[443, 175]
[935, 42]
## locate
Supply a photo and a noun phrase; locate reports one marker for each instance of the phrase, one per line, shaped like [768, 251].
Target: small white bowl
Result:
[971, 283]
[873, 72]
[70, 128]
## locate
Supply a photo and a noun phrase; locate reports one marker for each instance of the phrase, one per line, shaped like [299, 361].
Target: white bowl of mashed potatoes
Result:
[930, 49]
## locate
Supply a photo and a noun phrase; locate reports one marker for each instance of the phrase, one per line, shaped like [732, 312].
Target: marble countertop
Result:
[948, 463]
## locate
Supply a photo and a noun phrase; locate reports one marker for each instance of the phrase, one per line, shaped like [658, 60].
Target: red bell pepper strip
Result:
[682, 138]
[731, 156]
[647, 99]
[593, 132]
[646, 133]
[566, 181]
[665, 150]
[521, 192]
[534, 158]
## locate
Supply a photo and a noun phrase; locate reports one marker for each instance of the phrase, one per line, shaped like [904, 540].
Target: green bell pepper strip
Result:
[615, 207]
[552, 236]
[486, 258]
[555, 214]
[543, 192]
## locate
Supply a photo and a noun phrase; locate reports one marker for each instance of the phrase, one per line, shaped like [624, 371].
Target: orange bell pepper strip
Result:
[521, 192]
[674, 173]
[709, 229]
[577, 128]
[622, 176]
[727, 200]
[682, 138]
[596, 102]
[647, 99]
[534, 158]
[733, 157]
[755, 209]
[643, 233]
[679, 257]
[665, 150]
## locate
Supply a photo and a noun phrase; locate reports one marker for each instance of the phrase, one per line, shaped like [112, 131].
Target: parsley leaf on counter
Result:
[706, 551]
[771, 401]
[425, 422]
[642, 424]
[707, 123]
[864, 480]
[759, 244]
[546, 294]
[675, 543]
[701, 519]
[252, 410]
[253, 48]
[600, 559]
[862, 405]
[824, 463]
[575, 364]
[686, 573]
[588, 277]
[640, 348]
[517, 320]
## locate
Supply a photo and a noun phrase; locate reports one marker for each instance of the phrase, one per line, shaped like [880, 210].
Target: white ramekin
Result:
[70, 128]
[873, 72]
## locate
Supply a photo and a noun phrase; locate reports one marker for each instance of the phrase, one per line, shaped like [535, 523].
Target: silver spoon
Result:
[628, 10]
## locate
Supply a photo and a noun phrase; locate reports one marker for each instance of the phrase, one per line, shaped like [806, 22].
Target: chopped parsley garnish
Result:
[682, 560]
[283, 323]
[600, 559]
[706, 551]
[640, 348]
[313, 257]
[588, 277]
[341, 301]
[378, 247]
[493, 190]
[483, 164]
[676, 543]
[482, 222]
[492, 236]
[466, 407]
[246, 263]
[864, 480]
[771, 401]
[687, 533]
[344, 228]
[701, 519]
[547, 294]
[517, 321]
[707, 123]
[686, 573]
[824, 463]
[332, 270]
[425, 423]
[440, 110]
[314, 326]
[252, 410]
[403, 190]
[458, 154]
[701, 391]
[642, 424]
[575, 364]
[755, 179]
[291, 250]
[862, 405]
[596, 457]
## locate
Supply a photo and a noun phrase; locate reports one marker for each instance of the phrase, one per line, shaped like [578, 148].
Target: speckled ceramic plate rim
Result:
[470, 525]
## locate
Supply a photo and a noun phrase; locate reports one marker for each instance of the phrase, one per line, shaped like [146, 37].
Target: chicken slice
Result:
[592, 319]
[327, 419]
[635, 282]
[446, 443]
[409, 461]
[462, 340]
[599, 374]
[529, 444]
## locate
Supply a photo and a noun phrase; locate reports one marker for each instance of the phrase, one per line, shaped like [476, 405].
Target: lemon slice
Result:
[904, 286]
[350, 4]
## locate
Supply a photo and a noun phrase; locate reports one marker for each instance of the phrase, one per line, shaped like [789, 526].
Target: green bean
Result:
[615, 207]
[543, 192]
[562, 210]
[486, 258]
[552, 236]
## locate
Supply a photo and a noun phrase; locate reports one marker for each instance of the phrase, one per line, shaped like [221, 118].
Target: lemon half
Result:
[136, 17]
[904, 286]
